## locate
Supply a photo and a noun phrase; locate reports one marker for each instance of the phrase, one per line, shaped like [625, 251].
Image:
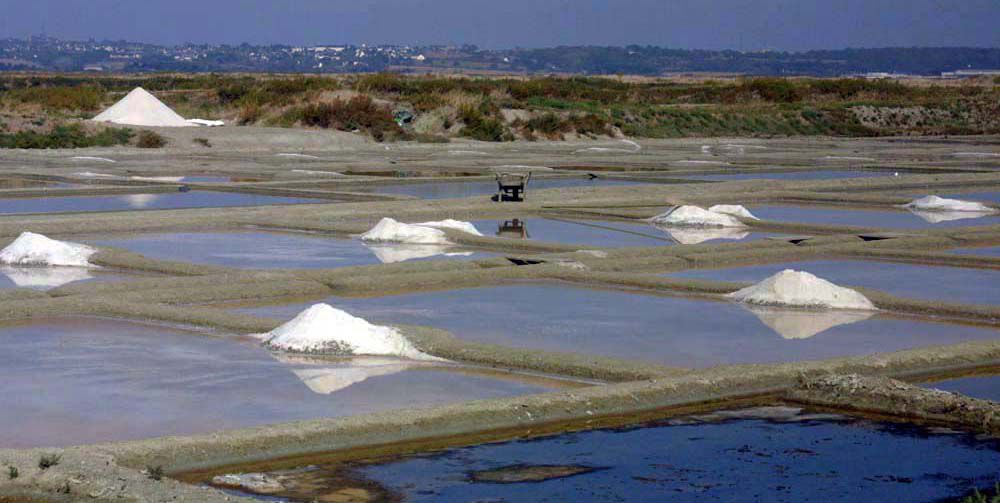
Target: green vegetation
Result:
[12, 472]
[150, 139]
[359, 113]
[155, 472]
[503, 109]
[202, 141]
[990, 496]
[66, 136]
[47, 461]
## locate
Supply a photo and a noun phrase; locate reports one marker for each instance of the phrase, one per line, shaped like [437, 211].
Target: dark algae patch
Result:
[520, 473]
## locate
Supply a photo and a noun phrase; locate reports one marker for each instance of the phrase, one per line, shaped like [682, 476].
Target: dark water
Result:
[668, 330]
[823, 174]
[983, 387]
[867, 218]
[158, 201]
[266, 250]
[449, 190]
[81, 380]
[792, 459]
[949, 284]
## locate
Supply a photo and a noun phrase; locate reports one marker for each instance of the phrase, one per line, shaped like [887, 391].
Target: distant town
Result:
[43, 54]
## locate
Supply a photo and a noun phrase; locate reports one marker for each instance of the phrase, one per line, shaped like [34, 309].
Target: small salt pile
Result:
[693, 216]
[35, 249]
[426, 233]
[139, 108]
[801, 289]
[325, 329]
[935, 203]
[735, 210]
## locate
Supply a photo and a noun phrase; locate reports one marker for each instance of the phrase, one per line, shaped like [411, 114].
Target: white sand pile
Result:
[803, 324]
[35, 249]
[935, 203]
[696, 235]
[139, 108]
[801, 289]
[325, 329]
[694, 216]
[426, 233]
[735, 210]
[44, 278]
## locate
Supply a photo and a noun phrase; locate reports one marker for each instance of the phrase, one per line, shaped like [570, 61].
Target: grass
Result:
[990, 496]
[150, 139]
[12, 472]
[66, 136]
[155, 472]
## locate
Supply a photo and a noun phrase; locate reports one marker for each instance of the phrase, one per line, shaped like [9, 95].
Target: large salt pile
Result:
[139, 108]
[935, 203]
[801, 289]
[35, 249]
[426, 233]
[693, 216]
[325, 329]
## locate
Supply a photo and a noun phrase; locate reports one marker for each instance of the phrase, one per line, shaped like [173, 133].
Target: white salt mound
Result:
[735, 210]
[35, 249]
[389, 230]
[457, 225]
[935, 203]
[693, 216]
[207, 122]
[801, 289]
[139, 108]
[325, 329]
[392, 231]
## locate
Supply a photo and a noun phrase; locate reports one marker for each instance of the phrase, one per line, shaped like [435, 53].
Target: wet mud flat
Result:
[77, 380]
[760, 454]
[668, 330]
[820, 174]
[947, 284]
[606, 234]
[900, 219]
[153, 201]
[275, 250]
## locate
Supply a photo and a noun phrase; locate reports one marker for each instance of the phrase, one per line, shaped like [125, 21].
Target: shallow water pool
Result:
[984, 387]
[794, 457]
[271, 250]
[990, 251]
[672, 331]
[947, 284]
[871, 218]
[610, 234]
[158, 201]
[84, 380]
[449, 190]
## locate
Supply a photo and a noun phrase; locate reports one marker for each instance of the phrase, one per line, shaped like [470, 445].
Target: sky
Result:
[690, 24]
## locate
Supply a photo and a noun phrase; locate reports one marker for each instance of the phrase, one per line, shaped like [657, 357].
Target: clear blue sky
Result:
[708, 24]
